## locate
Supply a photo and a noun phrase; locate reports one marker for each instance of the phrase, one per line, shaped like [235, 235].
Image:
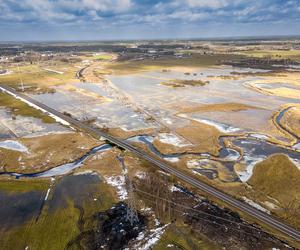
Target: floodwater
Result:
[110, 113]
[276, 85]
[146, 89]
[78, 188]
[18, 208]
[23, 126]
[164, 102]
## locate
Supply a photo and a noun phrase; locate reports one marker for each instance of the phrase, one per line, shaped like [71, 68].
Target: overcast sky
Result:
[145, 19]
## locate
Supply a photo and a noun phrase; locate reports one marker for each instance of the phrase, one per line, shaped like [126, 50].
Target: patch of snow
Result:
[47, 194]
[254, 204]
[146, 209]
[13, 145]
[202, 164]
[170, 245]
[119, 183]
[172, 139]
[89, 172]
[296, 162]
[250, 163]
[140, 138]
[171, 159]
[163, 173]
[102, 138]
[259, 136]
[147, 242]
[7, 72]
[233, 155]
[175, 189]
[167, 120]
[297, 146]
[224, 128]
[141, 175]
[194, 163]
[54, 71]
[270, 205]
[157, 222]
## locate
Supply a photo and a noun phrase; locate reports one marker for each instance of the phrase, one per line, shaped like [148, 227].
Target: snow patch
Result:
[296, 162]
[141, 175]
[172, 140]
[175, 189]
[140, 138]
[270, 205]
[250, 163]
[118, 182]
[87, 172]
[167, 120]
[254, 204]
[259, 136]
[233, 155]
[297, 146]
[13, 145]
[150, 240]
[171, 159]
[47, 194]
[224, 128]
[54, 71]
[7, 72]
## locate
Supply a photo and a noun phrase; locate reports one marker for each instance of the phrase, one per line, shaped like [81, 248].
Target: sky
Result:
[44, 20]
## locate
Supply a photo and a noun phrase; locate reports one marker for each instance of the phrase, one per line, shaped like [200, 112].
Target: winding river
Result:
[253, 149]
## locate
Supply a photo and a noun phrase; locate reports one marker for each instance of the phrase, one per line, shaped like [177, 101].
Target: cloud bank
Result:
[126, 19]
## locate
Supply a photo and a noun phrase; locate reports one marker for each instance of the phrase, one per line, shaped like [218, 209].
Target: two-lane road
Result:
[244, 207]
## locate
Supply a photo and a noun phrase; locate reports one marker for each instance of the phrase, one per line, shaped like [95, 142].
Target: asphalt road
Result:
[242, 206]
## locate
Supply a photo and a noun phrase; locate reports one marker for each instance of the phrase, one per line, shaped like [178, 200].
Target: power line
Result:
[216, 223]
[193, 209]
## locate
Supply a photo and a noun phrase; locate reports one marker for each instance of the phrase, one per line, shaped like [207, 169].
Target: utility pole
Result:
[21, 81]
[131, 210]
[131, 214]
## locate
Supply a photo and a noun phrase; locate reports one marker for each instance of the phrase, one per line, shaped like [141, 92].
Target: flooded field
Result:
[217, 91]
[232, 127]
[102, 110]
[22, 126]
[242, 117]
